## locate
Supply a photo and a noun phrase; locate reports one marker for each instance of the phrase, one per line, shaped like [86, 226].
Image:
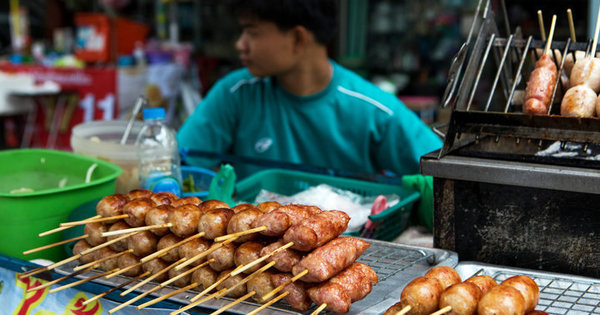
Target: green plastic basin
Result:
[38, 190]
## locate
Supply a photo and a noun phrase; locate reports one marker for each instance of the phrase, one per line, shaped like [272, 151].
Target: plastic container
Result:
[393, 221]
[54, 184]
[158, 155]
[101, 139]
[201, 179]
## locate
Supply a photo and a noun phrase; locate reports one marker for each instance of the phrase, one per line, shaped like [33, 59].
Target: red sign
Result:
[86, 94]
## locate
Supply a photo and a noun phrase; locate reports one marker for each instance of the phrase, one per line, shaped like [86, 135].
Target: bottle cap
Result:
[154, 113]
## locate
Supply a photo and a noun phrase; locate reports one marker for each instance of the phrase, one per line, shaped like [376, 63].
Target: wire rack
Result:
[388, 259]
[559, 293]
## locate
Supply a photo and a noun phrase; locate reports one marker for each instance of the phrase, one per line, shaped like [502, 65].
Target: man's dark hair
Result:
[318, 16]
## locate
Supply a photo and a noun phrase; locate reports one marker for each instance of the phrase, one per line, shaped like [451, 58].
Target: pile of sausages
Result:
[333, 275]
[442, 287]
[583, 85]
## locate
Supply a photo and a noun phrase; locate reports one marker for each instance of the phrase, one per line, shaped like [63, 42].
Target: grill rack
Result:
[508, 62]
[559, 293]
[395, 265]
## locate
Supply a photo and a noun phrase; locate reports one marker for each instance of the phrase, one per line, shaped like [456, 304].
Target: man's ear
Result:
[302, 37]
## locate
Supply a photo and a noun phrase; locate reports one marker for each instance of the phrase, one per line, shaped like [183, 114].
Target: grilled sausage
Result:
[189, 200]
[247, 253]
[163, 198]
[81, 246]
[127, 260]
[268, 206]
[422, 294]
[501, 299]
[94, 231]
[173, 254]
[108, 264]
[447, 276]
[243, 207]
[284, 260]
[158, 215]
[214, 222]
[121, 245]
[154, 266]
[143, 243]
[586, 71]
[136, 211]
[242, 221]
[261, 284]
[139, 193]
[527, 287]
[298, 297]
[184, 220]
[578, 101]
[212, 204]
[483, 282]
[350, 285]
[540, 85]
[111, 205]
[223, 257]
[193, 248]
[230, 282]
[279, 220]
[462, 297]
[317, 230]
[205, 277]
[331, 258]
[183, 281]
[394, 309]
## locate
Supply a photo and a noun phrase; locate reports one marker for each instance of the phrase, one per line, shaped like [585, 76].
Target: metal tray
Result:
[395, 264]
[559, 293]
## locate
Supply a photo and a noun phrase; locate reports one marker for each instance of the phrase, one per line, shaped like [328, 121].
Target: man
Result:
[291, 103]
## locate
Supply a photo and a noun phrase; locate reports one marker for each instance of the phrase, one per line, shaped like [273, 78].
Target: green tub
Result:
[38, 190]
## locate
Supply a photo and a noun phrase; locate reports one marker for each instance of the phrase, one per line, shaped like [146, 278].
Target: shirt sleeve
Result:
[404, 139]
[210, 127]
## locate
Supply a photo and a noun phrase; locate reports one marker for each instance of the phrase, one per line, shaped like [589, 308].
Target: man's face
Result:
[264, 48]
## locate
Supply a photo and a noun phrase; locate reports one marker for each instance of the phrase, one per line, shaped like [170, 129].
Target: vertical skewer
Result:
[541, 22]
[551, 35]
[595, 42]
[571, 25]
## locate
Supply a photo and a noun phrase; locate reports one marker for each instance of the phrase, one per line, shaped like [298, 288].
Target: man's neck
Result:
[309, 77]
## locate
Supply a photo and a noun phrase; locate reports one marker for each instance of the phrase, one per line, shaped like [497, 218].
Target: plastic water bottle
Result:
[158, 156]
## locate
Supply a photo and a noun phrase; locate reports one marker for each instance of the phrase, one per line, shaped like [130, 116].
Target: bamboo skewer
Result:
[228, 306]
[122, 270]
[166, 296]
[166, 249]
[122, 285]
[279, 288]
[243, 268]
[47, 284]
[137, 229]
[183, 274]
[27, 252]
[107, 243]
[541, 22]
[405, 310]
[156, 288]
[61, 228]
[271, 302]
[550, 36]
[238, 234]
[442, 310]
[595, 42]
[571, 25]
[212, 286]
[66, 286]
[152, 277]
[58, 229]
[103, 259]
[49, 267]
[205, 253]
[248, 278]
[80, 222]
[191, 305]
[319, 309]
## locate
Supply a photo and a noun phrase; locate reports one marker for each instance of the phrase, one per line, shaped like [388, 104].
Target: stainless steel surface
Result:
[559, 293]
[513, 173]
[395, 264]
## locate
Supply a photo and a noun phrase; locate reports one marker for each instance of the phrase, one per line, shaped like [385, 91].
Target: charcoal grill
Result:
[510, 188]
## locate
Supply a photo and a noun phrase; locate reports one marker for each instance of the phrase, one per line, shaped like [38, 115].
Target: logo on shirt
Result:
[263, 144]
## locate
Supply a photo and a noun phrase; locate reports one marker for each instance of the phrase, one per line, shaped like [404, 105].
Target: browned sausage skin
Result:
[268, 206]
[189, 200]
[540, 85]
[94, 231]
[284, 260]
[81, 246]
[447, 276]
[316, 230]
[143, 243]
[170, 239]
[422, 294]
[242, 221]
[484, 282]
[127, 260]
[527, 287]
[223, 257]
[501, 299]
[298, 297]
[184, 220]
[214, 222]
[121, 245]
[154, 266]
[461, 297]
[140, 193]
[205, 277]
[230, 282]
[163, 198]
[158, 215]
[136, 211]
[280, 219]
[193, 248]
[212, 204]
[111, 205]
[247, 253]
